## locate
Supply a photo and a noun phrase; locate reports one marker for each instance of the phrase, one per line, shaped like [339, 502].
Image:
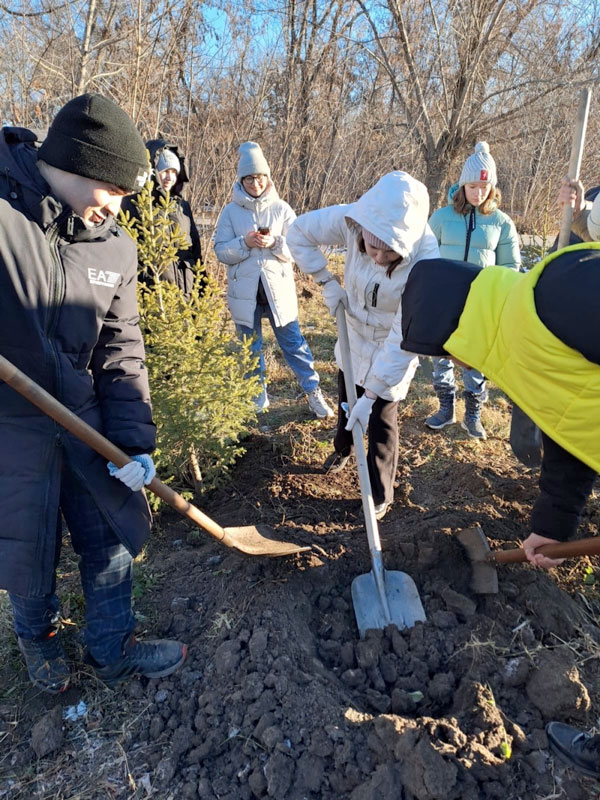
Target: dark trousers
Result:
[565, 486]
[106, 569]
[382, 432]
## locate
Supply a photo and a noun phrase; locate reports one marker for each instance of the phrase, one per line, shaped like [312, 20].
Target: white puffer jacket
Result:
[247, 265]
[396, 211]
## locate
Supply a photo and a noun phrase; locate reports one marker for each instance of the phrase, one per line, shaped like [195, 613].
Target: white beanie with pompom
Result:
[479, 167]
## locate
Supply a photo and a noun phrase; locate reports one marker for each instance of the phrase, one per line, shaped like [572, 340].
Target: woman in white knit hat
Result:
[250, 240]
[385, 233]
[471, 228]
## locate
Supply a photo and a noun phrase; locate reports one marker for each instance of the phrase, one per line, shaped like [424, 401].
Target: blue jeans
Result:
[443, 377]
[106, 568]
[293, 345]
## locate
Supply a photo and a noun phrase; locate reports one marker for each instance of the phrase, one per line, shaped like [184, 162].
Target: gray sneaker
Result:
[318, 404]
[46, 662]
[335, 463]
[473, 426]
[575, 748]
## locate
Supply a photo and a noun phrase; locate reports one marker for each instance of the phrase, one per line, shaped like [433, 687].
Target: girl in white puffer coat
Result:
[250, 241]
[385, 233]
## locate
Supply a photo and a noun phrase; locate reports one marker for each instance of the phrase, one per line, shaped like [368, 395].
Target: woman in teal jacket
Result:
[471, 228]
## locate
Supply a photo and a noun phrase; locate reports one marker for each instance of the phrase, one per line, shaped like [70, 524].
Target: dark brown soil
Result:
[280, 698]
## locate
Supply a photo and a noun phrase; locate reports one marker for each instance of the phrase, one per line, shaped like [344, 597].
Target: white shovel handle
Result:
[575, 162]
[361, 463]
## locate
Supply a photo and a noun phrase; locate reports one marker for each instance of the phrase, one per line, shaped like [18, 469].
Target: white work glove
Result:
[333, 295]
[361, 412]
[134, 475]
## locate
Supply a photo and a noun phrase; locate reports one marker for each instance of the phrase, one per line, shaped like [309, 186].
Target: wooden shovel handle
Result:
[575, 163]
[25, 386]
[580, 547]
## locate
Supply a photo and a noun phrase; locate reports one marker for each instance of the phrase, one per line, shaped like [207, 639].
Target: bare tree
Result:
[336, 91]
[467, 70]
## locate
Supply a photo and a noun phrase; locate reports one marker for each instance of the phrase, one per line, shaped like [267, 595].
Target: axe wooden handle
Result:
[579, 547]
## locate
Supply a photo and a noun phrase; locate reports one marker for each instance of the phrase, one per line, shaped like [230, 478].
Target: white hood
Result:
[395, 210]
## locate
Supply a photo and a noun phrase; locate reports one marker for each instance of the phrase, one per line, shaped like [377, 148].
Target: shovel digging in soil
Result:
[484, 579]
[247, 539]
[380, 597]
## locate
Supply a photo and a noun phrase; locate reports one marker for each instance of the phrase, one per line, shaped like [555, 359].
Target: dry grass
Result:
[93, 762]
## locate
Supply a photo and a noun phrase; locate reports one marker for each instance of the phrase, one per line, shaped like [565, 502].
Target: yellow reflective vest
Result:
[500, 334]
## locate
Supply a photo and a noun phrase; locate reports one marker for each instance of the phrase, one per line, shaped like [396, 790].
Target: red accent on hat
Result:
[483, 175]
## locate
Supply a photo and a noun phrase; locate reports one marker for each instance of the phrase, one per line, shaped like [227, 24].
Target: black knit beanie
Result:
[91, 136]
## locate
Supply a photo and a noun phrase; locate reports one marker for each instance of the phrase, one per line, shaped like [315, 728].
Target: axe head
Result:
[484, 577]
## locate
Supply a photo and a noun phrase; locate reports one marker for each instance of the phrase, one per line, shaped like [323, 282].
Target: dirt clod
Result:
[555, 687]
[47, 734]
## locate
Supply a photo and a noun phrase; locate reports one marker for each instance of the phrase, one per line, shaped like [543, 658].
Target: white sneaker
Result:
[318, 404]
[381, 510]
[262, 401]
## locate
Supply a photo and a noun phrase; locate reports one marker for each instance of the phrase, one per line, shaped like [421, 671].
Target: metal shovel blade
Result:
[254, 542]
[404, 603]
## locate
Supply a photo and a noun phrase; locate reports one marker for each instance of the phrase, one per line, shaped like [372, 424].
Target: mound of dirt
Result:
[280, 698]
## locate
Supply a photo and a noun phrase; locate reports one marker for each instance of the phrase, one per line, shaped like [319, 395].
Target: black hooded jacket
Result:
[183, 270]
[69, 320]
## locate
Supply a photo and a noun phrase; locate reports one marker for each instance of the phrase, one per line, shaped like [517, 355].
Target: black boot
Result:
[472, 421]
[46, 661]
[581, 751]
[155, 658]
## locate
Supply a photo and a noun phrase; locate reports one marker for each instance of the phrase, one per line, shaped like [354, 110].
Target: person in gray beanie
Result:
[251, 240]
[68, 279]
[471, 228]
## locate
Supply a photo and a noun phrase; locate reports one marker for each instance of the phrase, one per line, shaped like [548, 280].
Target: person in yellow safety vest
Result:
[536, 335]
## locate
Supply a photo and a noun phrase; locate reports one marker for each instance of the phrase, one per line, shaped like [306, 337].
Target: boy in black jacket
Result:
[537, 336]
[69, 320]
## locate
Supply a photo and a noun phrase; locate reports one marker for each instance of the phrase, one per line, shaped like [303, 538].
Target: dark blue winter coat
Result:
[69, 320]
